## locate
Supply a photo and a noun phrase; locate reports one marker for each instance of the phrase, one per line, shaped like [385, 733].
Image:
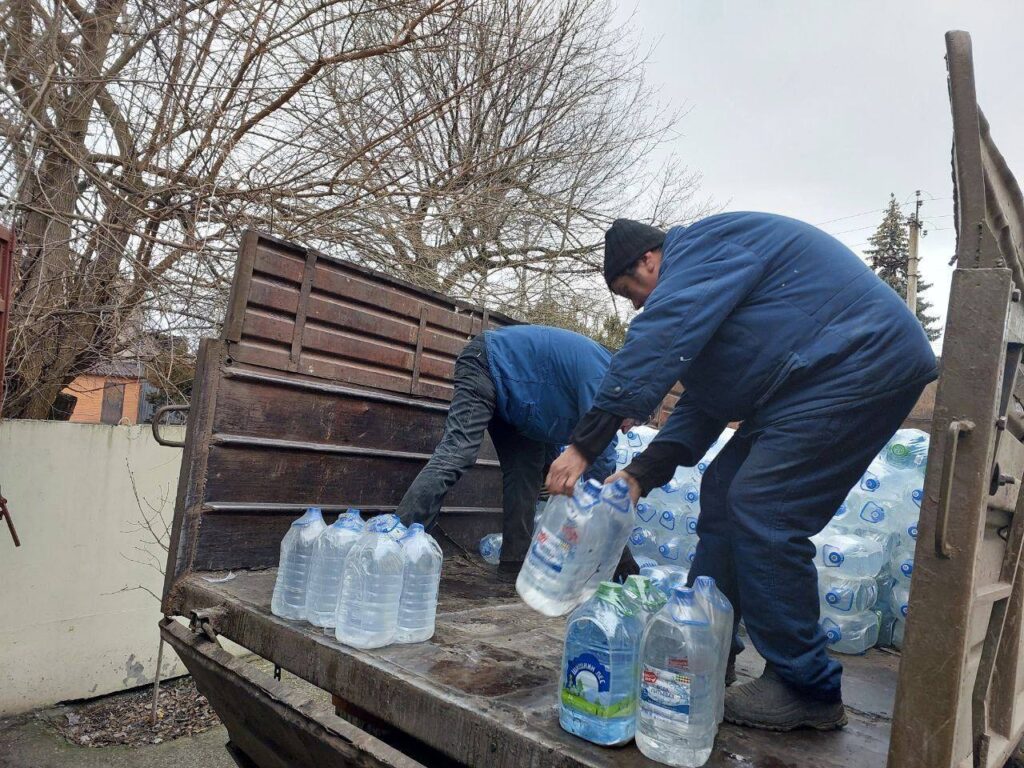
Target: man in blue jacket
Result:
[771, 322]
[527, 385]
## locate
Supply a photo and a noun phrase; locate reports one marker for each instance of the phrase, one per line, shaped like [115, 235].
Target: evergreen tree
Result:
[889, 256]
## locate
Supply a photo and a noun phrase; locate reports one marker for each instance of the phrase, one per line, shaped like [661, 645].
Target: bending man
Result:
[527, 385]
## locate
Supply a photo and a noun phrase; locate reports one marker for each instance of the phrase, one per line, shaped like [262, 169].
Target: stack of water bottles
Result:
[665, 532]
[370, 584]
[641, 663]
[865, 555]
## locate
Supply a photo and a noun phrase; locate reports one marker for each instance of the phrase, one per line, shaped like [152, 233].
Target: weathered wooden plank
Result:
[274, 475]
[192, 476]
[275, 725]
[284, 263]
[266, 410]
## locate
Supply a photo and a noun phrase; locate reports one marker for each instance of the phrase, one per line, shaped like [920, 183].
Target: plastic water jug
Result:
[289, 599]
[565, 552]
[328, 567]
[719, 610]
[675, 721]
[490, 548]
[848, 555]
[599, 669]
[851, 633]
[372, 586]
[646, 597]
[418, 606]
[846, 595]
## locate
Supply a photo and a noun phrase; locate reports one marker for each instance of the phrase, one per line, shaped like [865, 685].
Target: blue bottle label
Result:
[586, 686]
[666, 693]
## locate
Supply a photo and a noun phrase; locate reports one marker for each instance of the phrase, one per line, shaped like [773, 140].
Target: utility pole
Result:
[915, 228]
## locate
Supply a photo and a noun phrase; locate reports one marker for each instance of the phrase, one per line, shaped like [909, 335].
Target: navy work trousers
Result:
[762, 498]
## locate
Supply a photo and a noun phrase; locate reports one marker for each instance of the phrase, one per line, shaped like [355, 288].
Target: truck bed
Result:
[483, 690]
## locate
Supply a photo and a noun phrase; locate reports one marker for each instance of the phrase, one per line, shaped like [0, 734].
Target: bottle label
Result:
[666, 693]
[551, 550]
[586, 687]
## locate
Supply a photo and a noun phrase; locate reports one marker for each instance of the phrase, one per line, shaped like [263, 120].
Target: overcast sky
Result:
[819, 109]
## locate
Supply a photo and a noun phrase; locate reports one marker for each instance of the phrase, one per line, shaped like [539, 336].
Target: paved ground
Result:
[30, 741]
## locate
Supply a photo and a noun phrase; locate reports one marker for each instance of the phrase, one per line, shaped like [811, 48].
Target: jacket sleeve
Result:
[683, 441]
[702, 280]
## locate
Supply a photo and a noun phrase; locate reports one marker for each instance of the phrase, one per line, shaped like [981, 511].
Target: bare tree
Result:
[476, 146]
[142, 135]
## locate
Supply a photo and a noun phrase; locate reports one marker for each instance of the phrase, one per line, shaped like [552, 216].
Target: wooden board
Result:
[483, 689]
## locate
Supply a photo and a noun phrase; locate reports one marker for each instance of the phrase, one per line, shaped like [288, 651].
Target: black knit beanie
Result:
[625, 242]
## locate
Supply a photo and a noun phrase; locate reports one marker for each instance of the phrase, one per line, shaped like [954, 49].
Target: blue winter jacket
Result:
[545, 380]
[762, 318]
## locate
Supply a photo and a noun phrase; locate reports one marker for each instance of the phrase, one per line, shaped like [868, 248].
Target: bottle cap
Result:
[383, 523]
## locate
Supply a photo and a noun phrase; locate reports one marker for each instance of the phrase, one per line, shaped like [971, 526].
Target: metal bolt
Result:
[1007, 480]
[1001, 423]
[1015, 296]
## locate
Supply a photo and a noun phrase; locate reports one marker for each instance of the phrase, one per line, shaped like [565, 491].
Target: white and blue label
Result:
[666, 693]
[668, 520]
[551, 550]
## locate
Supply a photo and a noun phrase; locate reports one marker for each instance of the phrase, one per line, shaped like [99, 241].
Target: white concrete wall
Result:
[68, 627]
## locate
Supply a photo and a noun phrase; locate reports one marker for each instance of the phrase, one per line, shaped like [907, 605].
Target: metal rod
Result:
[156, 681]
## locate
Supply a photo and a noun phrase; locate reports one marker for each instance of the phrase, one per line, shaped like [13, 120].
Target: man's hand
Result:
[627, 424]
[634, 486]
[565, 471]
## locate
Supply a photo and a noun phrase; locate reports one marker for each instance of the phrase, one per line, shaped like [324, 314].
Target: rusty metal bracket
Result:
[5, 513]
[203, 621]
[158, 417]
[956, 428]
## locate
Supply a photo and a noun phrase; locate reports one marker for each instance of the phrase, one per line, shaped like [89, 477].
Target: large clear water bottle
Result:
[643, 543]
[675, 721]
[617, 509]
[329, 553]
[848, 555]
[846, 595]
[372, 586]
[490, 548]
[907, 449]
[719, 610]
[667, 578]
[418, 606]
[646, 597]
[903, 566]
[599, 669]
[899, 600]
[851, 633]
[289, 599]
[565, 552]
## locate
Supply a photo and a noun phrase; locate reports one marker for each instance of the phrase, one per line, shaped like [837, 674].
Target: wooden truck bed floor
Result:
[483, 690]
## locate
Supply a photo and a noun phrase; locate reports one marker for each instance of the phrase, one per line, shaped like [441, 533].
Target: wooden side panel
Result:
[272, 724]
[301, 311]
[329, 388]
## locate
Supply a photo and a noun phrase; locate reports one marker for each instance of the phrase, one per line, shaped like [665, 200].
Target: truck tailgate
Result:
[483, 690]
